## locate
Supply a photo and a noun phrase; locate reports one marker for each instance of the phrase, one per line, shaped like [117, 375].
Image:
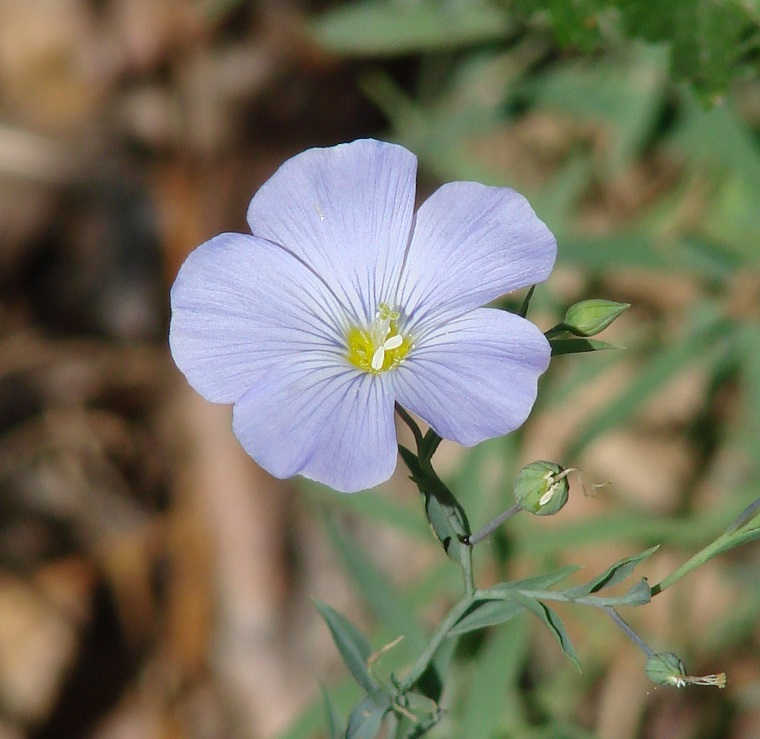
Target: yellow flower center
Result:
[378, 347]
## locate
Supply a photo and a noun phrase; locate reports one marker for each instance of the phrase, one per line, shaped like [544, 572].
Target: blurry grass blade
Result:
[553, 623]
[556, 202]
[614, 573]
[352, 645]
[311, 721]
[377, 508]
[383, 599]
[750, 348]
[384, 28]
[495, 675]
[631, 249]
[332, 720]
[622, 94]
[717, 136]
[366, 718]
[708, 336]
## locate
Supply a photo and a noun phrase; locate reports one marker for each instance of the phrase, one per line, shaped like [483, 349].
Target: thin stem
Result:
[469, 577]
[691, 564]
[418, 668]
[711, 550]
[629, 632]
[489, 528]
[412, 424]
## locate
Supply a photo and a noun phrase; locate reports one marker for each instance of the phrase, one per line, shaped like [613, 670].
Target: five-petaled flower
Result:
[345, 301]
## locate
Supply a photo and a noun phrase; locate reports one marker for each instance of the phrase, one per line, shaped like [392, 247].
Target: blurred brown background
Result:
[144, 560]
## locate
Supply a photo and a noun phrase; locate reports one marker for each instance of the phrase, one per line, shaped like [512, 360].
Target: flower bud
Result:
[542, 488]
[589, 317]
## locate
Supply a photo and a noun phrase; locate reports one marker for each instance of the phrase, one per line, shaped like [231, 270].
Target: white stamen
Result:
[547, 496]
[393, 343]
[378, 358]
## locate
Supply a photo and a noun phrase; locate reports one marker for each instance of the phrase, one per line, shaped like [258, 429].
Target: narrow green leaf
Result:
[638, 595]
[487, 613]
[579, 346]
[332, 720]
[553, 623]
[613, 574]
[750, 348]
[351, 643]
[538, 582]
[367, 716]
[381, 28]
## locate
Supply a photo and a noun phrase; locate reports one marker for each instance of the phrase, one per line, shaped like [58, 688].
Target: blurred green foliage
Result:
[632, 127]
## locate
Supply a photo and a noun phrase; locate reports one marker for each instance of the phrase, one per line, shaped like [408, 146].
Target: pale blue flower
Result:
[344, 301]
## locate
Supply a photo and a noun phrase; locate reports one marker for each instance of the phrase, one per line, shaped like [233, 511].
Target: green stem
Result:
[732, 537]
[469, 579]
[692, 563]
[412, 424]
[489, 528]
[418, 668]
[630, 633]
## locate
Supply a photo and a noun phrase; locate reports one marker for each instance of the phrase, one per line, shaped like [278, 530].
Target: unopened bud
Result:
[589, 317]
[542, 488]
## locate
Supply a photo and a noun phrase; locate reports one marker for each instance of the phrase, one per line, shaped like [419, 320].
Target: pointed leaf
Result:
[538, 582]
[487, 613]
[553, 623]
[613, 574]
[367, 716]
[578, 346]
[352, 645]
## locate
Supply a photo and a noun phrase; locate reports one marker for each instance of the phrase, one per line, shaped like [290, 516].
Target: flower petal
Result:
[471, 244]
[239, 302]
[476, 376]
[322, 421]
[347, 213]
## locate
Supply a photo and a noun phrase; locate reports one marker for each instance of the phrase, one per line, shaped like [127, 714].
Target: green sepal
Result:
[446, 517]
